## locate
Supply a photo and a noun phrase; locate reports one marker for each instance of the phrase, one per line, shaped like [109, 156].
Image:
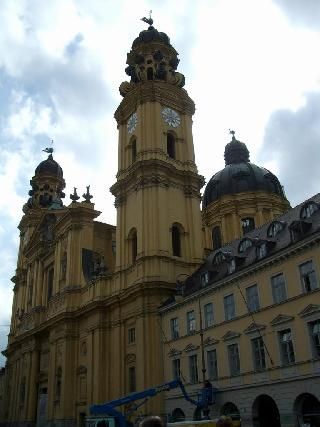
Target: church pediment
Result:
[230, 335]
[210, 341]
[174, 352]
[254, 327]
[191, 347]
[281, 318]
[310, 309]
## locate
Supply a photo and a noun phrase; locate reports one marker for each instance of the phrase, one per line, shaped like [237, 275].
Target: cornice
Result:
[156, 173]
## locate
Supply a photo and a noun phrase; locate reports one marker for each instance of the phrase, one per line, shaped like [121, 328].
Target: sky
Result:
[250, 65]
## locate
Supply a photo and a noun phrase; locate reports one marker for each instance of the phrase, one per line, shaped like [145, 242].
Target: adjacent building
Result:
[249, 320]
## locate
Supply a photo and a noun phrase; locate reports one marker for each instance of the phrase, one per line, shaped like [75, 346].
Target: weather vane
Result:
[49, 149]
[148, 20]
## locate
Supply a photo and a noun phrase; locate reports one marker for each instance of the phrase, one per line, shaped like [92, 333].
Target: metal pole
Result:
[205, 409]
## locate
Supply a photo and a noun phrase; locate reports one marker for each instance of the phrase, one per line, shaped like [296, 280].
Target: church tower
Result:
[158, 188]
[157, 196]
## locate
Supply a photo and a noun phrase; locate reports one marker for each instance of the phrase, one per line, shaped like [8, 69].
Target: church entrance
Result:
[265, 412]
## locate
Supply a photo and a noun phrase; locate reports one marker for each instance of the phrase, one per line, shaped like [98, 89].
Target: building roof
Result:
[49, 167]
[240, 175]
[297, 224]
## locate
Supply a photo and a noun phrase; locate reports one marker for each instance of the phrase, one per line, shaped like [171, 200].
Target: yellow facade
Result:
[85, 324]
[287, 382]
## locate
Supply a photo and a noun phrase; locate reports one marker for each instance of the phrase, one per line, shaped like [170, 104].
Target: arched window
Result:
[133, 150]
[308, 210]
[50, 283]
[244, 245]
[63, 266]
[134, 246]
[218, 259]
[274, 228]
[171, 149]
[58, 382]
[247, 225]
[216, 237]
[176, 241]
[178, 415]
[231, 410]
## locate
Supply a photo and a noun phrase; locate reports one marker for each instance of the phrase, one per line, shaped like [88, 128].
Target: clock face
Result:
[132, 122]
[171, 117]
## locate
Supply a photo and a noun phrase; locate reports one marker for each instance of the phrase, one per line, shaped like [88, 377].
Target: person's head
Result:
[153, 421]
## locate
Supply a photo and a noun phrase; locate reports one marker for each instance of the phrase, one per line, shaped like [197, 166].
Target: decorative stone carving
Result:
[130, 358]
[191, 347]
[81, 370]
[83, 348]
[230, 335]
[310, 309]
[281, 318]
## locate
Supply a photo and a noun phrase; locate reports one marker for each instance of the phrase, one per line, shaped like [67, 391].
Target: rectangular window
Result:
[191, 322]
[212, 364]
[314, 328]
[193, 368]
[231, 266]
[262, 251]
[247, 225]
[308, 276]
[174, 325]
[234, 359]
[208, 315]
[132, 379]
[50, 283]
[229, 307]
[176, 368]
[278, 288]
[252, 298]
[204, 278]
[259, 359]
[286, 347]
[131, 335]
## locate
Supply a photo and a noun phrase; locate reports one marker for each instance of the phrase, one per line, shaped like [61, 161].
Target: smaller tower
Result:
[240, 197]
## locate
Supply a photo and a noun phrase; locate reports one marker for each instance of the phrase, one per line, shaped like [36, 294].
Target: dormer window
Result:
[204, 278]
[244, 245]
[216, 237]
[275, 228]
[218, 259]
[231, 266]
[308, 210]
[262, 250]
[247, 225]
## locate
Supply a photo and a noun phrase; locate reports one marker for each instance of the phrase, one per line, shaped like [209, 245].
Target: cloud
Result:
[304, 13]
[291, 144]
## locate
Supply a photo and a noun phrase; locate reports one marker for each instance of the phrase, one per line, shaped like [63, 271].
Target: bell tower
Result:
[158, 187]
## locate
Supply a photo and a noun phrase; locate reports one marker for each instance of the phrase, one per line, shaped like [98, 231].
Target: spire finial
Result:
[87, 196]
[148, 20]
[49, 149]
[232, 132]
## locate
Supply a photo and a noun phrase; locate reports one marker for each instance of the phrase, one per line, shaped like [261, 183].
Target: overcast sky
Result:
[250, 65]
